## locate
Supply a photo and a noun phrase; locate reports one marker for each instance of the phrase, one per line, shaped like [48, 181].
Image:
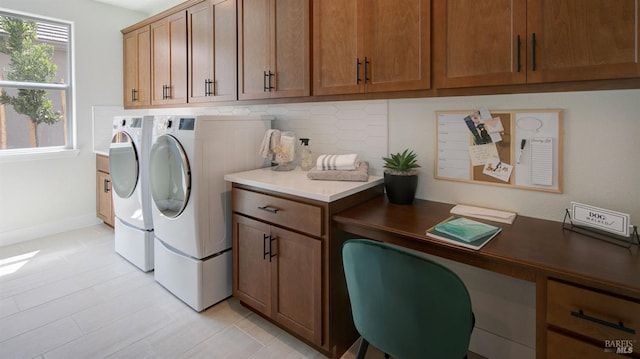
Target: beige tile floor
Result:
[71, 296]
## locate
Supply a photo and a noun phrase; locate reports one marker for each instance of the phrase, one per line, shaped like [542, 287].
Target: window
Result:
[35, 84]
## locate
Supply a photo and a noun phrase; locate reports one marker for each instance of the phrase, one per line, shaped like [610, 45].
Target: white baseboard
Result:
[47, 229]
[493, 346]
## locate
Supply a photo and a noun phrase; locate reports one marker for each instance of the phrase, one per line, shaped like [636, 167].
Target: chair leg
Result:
[362, 349]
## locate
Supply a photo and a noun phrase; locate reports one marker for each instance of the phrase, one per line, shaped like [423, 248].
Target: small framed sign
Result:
[600, 218]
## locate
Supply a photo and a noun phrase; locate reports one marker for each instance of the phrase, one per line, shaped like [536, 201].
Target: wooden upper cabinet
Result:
[371, 46]
[505, 42]
[583, 39]
[273, 48]
[337, 45]
[397, 45]
[137, 68]
[479, 43]
[169, 60]
[212, 51]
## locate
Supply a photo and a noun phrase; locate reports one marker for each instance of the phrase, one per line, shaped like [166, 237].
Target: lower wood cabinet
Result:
[104, 201]
[279, 272]
[287, 264]
[585, 323]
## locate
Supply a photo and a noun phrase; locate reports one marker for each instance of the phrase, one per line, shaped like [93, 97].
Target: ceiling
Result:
[148, 7]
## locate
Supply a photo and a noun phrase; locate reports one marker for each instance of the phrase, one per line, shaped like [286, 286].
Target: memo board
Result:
[485, 147]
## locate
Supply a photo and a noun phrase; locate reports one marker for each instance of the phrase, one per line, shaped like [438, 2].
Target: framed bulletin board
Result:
[514, 148]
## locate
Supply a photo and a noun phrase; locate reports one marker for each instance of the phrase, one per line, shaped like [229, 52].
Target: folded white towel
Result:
[269, 142]
[337, 162]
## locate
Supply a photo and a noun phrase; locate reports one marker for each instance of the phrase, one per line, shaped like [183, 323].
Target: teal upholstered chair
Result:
[404, 304]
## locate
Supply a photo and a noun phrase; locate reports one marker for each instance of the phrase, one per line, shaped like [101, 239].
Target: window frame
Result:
[48, 152]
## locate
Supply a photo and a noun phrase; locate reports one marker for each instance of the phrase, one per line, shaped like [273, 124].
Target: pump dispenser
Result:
[306, 160]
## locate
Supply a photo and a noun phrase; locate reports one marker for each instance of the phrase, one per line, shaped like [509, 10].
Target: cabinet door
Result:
[169, 60]
[291, 46]
[251, 266]
[225, 63]
[200, 51]
[397, 43]
[212, 51]
[104, 206]
[253, 49]
[479, 43]
[137, 68]
[583, 39]
[337, 47]
[297, 299]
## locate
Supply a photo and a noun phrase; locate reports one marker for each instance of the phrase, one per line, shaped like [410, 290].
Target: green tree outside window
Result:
[30, 62]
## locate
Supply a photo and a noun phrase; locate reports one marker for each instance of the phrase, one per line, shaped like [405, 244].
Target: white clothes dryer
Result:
[128, 167]
[192, 201]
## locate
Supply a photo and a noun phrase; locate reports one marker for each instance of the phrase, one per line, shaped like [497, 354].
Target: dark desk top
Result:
[526, 249]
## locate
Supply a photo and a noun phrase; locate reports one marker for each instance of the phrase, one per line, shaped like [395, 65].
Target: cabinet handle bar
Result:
[264, 245]
[533, 51]
[619, 326]
[518, 43]
[366, 63]
[269, 209]
[271, 255]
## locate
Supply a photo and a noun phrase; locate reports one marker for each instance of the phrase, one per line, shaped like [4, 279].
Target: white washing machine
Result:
[128, 166]
[192, 201]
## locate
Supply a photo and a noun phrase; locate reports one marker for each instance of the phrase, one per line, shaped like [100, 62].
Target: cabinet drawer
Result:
[102, 163]
[560, 346]
[279, 211]
[592, 314]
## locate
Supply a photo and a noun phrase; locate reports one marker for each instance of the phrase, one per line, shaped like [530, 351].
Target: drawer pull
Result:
[269, 209]
[264, 246]
[271, 255]
[620, 326]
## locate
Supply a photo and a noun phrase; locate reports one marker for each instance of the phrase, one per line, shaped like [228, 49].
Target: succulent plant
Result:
[403, 163]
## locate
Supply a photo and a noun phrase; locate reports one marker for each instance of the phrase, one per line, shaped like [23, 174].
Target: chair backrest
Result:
[405, 304]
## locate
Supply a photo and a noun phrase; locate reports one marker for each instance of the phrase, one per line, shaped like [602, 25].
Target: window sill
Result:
[36, 154]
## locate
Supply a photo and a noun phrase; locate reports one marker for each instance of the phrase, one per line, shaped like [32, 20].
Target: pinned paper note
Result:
[497, 169]
[542, 161]
[481, 153]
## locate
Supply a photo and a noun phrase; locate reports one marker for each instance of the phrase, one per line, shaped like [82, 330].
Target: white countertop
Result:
[296, 183]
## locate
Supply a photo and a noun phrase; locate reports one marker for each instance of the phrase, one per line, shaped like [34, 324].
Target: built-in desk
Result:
[573, 273]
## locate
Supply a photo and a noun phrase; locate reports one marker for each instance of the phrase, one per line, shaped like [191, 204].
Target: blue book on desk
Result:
[463, 231]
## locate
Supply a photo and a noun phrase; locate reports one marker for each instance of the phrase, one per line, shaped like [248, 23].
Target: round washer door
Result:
[124, 166]
[169, 176]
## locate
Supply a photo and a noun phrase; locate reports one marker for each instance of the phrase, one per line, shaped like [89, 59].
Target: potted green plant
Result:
[401, 176]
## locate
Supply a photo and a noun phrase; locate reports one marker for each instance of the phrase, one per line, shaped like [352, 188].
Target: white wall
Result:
[600, 151]
[43, 196]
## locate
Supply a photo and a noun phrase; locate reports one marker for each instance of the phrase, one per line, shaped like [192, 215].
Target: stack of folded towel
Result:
[340, 168]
